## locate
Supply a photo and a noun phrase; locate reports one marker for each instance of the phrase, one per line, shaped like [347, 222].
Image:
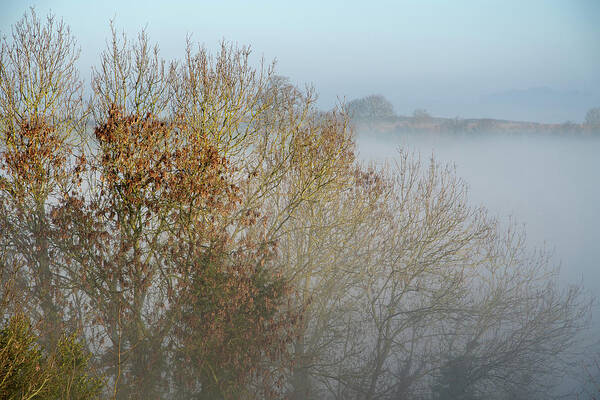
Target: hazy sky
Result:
[536, 60]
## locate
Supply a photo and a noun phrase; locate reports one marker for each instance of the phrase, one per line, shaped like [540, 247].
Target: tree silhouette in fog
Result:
[370, 108]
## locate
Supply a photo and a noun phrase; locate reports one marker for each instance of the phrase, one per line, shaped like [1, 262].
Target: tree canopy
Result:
[370, 107]
[592, 117]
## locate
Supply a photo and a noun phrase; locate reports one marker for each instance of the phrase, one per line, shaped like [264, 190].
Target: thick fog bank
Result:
[549, 183]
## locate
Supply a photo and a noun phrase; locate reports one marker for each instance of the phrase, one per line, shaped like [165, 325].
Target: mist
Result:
[182, 218]
[533, 61]
[548, 183]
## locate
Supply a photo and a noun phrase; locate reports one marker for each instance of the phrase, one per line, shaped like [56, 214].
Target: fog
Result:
[534, 60]
[190, 222]
[548, 183]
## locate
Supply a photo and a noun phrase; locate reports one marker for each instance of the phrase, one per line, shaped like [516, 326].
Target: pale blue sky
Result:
[465, 58]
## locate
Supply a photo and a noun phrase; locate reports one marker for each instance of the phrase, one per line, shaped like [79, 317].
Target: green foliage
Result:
[72, 377]
[20, 361]
[27, 373]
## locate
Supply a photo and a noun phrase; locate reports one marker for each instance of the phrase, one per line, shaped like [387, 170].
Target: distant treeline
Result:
[375, 113]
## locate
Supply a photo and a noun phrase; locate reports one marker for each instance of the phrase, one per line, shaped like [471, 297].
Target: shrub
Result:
[27, 373]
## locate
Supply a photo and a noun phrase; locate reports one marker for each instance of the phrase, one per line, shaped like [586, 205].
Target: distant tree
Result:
[570, 127]
[593, 116]
[421, 114]
[370, 107]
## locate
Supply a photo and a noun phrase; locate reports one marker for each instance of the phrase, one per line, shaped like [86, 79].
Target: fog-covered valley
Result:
[549, 183]
[189, 224]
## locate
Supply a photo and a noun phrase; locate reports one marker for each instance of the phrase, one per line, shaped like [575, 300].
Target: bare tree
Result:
[41, 118]
[215, 237]
[444, 284]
